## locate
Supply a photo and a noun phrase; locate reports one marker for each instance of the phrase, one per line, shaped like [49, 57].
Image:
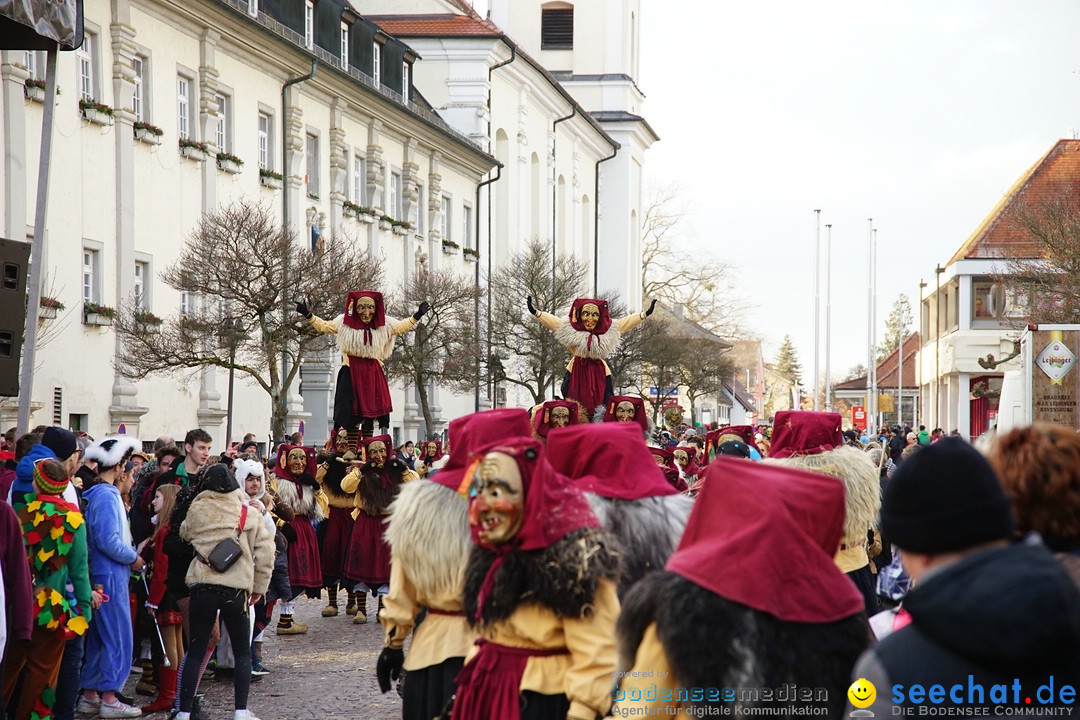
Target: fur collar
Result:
[576, 341]
[714, 642]
[336, 470]
[300, 498]
[379, 486]
[562, 578]
[351, 340]
[648, 530]
[428, 533]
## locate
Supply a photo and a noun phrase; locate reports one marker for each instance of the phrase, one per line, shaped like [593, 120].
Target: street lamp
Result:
[232, 330]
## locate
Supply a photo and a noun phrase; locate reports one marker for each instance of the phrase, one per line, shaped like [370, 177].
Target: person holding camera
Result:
[234, 558]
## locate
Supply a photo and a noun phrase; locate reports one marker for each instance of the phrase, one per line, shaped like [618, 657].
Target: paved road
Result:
[326, 674]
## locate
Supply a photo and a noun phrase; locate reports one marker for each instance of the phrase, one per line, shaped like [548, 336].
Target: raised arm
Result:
[632, 321]
[546, 319]
[324, 326]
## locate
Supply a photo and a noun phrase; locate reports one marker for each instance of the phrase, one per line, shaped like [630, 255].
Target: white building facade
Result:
[122, 202]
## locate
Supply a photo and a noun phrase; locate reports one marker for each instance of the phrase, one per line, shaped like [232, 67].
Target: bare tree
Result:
[444, 348]
[529, 354]
[246, 273]
[703, 369]
[703, 284]
[1041, 281]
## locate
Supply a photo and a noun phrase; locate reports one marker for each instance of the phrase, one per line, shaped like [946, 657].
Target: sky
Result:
[919, 114]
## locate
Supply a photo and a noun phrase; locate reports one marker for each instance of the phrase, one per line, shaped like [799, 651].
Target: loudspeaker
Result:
[14, 266]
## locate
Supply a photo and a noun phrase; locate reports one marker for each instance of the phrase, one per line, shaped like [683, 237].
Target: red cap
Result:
[639, 409]
[281, 465]
[472, 432]
[752, 522]
[745, 433]
[602, 324]
[554, 506]
[802, 432]
[609, 459]
[384, 439]
[542, 419]
[352, 320]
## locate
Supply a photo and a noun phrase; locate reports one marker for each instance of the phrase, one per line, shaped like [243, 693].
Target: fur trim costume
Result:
[719, 616]
[540, 587]
[337, 532]
[813, 441]
[297, 490]
[428, 533]
[365, 337]
[590, 334]
[375, 483]
[629, 494]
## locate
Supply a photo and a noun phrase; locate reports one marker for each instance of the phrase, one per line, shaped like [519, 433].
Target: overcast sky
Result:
[919, 114]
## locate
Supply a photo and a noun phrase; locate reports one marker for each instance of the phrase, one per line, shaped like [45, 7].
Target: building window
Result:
[183, 107]
[85, 59]
[466, 227]
[30, 60]
[557, 28]
[420, 214]
[253, 8]
[138, 64]
[187, 304]
[376, 62]
[309, 24]
[313, 165]
[89, 275]
[345, 45]
[992, 301]
[405, 82]
[444, 218]
[222, 138]
[264, 141]
[142, 271]
[359, 177]
[395, 195]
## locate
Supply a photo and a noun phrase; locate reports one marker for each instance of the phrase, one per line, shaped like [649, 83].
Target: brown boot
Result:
[148, 683]
[331, 610]
[351, 605]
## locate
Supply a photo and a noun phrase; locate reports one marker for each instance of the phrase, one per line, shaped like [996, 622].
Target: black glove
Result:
[301, 307]
[421, 312]
[652, 306]
[288, 532]
[388, 667]
[528, 302]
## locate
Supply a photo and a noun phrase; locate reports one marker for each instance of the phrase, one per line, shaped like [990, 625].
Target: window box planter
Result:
[470, 254]
[450, 247]
[385, 222]
[229, 163]
[147, 322]
[94, 314]
[96, 112]
[401, 228]
[47, 313]
[271, 179]
[49, 308]
[147, 133]
[192, 150]
[367, 218]
[34, 90]
[313, 196]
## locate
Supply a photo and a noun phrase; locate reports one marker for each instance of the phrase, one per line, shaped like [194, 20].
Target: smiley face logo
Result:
[862, 693]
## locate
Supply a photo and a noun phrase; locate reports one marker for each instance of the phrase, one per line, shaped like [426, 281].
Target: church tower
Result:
[593, 48]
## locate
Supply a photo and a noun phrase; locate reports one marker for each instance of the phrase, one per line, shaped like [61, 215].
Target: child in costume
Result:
[590, 335]
[366, 338]
[540, 588]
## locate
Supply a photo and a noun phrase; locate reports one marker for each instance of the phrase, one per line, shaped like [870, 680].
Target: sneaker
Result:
[118, 710]
[257, 670]
[244, 715]
[88, 707]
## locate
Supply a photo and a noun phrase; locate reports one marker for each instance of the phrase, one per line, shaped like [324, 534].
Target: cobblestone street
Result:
[326, 674]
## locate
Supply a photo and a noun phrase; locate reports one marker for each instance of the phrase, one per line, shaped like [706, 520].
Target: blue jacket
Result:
[24, 473]
[108, 533]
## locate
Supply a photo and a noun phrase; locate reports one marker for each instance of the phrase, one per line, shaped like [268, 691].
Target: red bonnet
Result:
[802, 432]
[281, 465]
[542, 420]
[352, 320]
[751, 524]
[639, 409]
[384, 439]
[609, 459]
[472, 432]
[602, 324]
[745, 433]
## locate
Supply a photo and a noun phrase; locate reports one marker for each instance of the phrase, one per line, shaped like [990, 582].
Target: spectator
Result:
[407, 454]
[948, 514]
[55, 443]
[16, 597]
[924, 437]
[220, 513]
[162, 604]
[112, 558]
[58, 610]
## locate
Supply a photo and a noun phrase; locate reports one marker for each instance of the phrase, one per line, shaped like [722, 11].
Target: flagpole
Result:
[828, 317]
[871, 420]
[817, 302]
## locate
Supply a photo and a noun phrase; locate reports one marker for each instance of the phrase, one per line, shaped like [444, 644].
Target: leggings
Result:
[206, 602]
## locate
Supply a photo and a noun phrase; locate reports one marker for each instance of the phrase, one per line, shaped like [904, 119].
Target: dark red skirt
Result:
[336, 542]
[305, 569]
[368, 559]
[588, 380]
[489, 686]
[370, 393]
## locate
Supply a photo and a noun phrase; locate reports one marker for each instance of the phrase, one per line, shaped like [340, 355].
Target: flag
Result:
[316, 240]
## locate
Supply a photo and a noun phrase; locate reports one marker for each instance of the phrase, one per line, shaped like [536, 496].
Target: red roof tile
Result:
[446, 25]
[886, 369]
[997, 236]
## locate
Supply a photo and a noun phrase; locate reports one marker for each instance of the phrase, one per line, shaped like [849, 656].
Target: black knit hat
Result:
[943, 498]
[219, 478]
[60, 441]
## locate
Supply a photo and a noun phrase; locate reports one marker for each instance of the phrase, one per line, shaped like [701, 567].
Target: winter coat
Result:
[15, 585]
[213, 517]
[998, 615]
